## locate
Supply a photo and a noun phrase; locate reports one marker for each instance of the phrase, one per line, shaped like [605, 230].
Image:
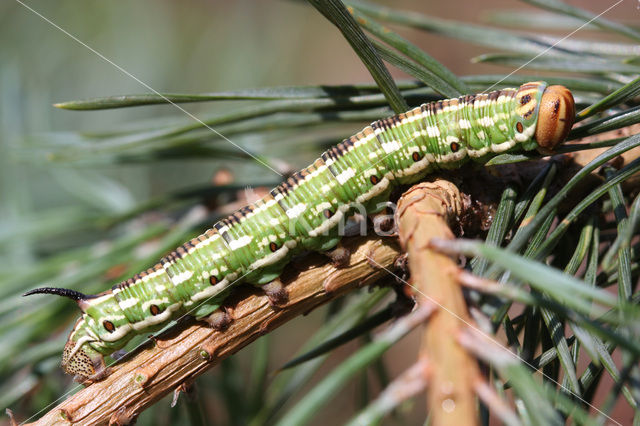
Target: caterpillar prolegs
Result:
[255, 243]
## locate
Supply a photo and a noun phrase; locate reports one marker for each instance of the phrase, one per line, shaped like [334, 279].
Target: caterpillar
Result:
[254, 244]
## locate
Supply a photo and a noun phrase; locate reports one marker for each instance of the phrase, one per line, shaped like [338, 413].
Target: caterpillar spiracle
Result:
[255, 243]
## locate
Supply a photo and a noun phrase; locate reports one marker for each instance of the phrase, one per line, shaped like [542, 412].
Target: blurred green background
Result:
[186, 46]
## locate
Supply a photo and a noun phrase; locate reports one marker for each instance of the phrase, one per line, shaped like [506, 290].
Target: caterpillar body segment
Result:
[255, 243]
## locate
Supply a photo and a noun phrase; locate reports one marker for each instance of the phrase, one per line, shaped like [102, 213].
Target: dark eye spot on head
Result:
[154, 309]
[108, 325]
[455, 146]
[213, 280]
[374, 179]
[519, 127]
[273, 246]
[327, 213]
[525, 99]
[556, 107]
[416, 157]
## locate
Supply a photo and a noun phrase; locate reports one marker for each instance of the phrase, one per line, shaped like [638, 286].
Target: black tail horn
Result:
[64, 292]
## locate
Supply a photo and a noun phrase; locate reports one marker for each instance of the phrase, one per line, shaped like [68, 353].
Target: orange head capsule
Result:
[555, 117]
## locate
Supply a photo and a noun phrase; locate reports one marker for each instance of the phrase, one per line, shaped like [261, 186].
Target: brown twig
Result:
[188, 352]
[425, 212]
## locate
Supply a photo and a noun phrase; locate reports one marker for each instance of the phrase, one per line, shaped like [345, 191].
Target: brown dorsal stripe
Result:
[224, 235]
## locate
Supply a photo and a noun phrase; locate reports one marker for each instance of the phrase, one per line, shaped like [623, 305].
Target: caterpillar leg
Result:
[275, 291]
[207, 308]
[219, 320]
[329, 245]
[339, 256]
[119, 354]
[100, 372]
[213, 314]
[384, 225]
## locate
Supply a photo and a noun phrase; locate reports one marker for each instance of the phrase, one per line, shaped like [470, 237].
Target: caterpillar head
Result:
[555, 118]
[101, 330]
[78, 357]
[544, 115]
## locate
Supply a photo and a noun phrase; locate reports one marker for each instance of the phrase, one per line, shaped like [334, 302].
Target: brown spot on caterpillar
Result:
[154, 309]
[416, 156]
[525, 99]
[374, 179]
[519, 127]
[213, 280]
[327, 213]
[108, 325]
[273, 246]
[455, 146]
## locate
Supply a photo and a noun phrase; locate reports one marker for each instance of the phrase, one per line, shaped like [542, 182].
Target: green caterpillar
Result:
[255, 243]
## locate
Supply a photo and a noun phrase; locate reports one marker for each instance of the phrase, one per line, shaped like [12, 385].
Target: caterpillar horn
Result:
[64, 292]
